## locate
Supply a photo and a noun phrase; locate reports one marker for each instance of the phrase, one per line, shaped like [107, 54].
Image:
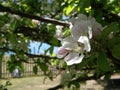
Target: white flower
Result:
[83, 28]
[59, 34]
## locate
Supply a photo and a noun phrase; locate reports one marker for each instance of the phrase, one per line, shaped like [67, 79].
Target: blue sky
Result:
[34, 46]
[35, 49]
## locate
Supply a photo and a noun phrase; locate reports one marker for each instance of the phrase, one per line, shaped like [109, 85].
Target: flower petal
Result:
[61, 52]
[97, 29]
[58, 27]
[69, 43]
[82, 17]
[85, 41]
[59, 34]
[80, 28]
[73, 58]
[90, 32]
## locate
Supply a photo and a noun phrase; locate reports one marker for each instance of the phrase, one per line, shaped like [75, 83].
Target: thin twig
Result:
[27, 15]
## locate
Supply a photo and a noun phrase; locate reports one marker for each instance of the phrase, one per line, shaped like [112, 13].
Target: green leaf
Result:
[113, 27]
[11, 66]
[114, 41]
[13, 58]
[83, 4]
[8, 83]
[40, 46]
[54, 41]
[103, 63]
[35, 69]
[116, 51]
[1, 55]
[51, 50]
[43, 67]
[87, 61]
[75, 83]
[13, 25]
[69, 9]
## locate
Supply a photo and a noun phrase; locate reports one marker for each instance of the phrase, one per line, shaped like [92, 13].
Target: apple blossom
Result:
[83, 28]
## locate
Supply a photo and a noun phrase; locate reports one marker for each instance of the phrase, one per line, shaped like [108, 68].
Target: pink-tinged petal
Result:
[73, 58]
[85, 41]
[61, 52]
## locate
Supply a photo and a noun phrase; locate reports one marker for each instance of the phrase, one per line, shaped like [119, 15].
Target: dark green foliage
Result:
[35, 69]
[103, 63]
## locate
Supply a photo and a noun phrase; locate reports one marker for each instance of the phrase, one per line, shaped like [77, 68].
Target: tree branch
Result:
[28, 54]
[23, 14]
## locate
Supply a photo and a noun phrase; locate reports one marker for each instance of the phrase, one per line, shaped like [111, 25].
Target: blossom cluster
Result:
[73, 47]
